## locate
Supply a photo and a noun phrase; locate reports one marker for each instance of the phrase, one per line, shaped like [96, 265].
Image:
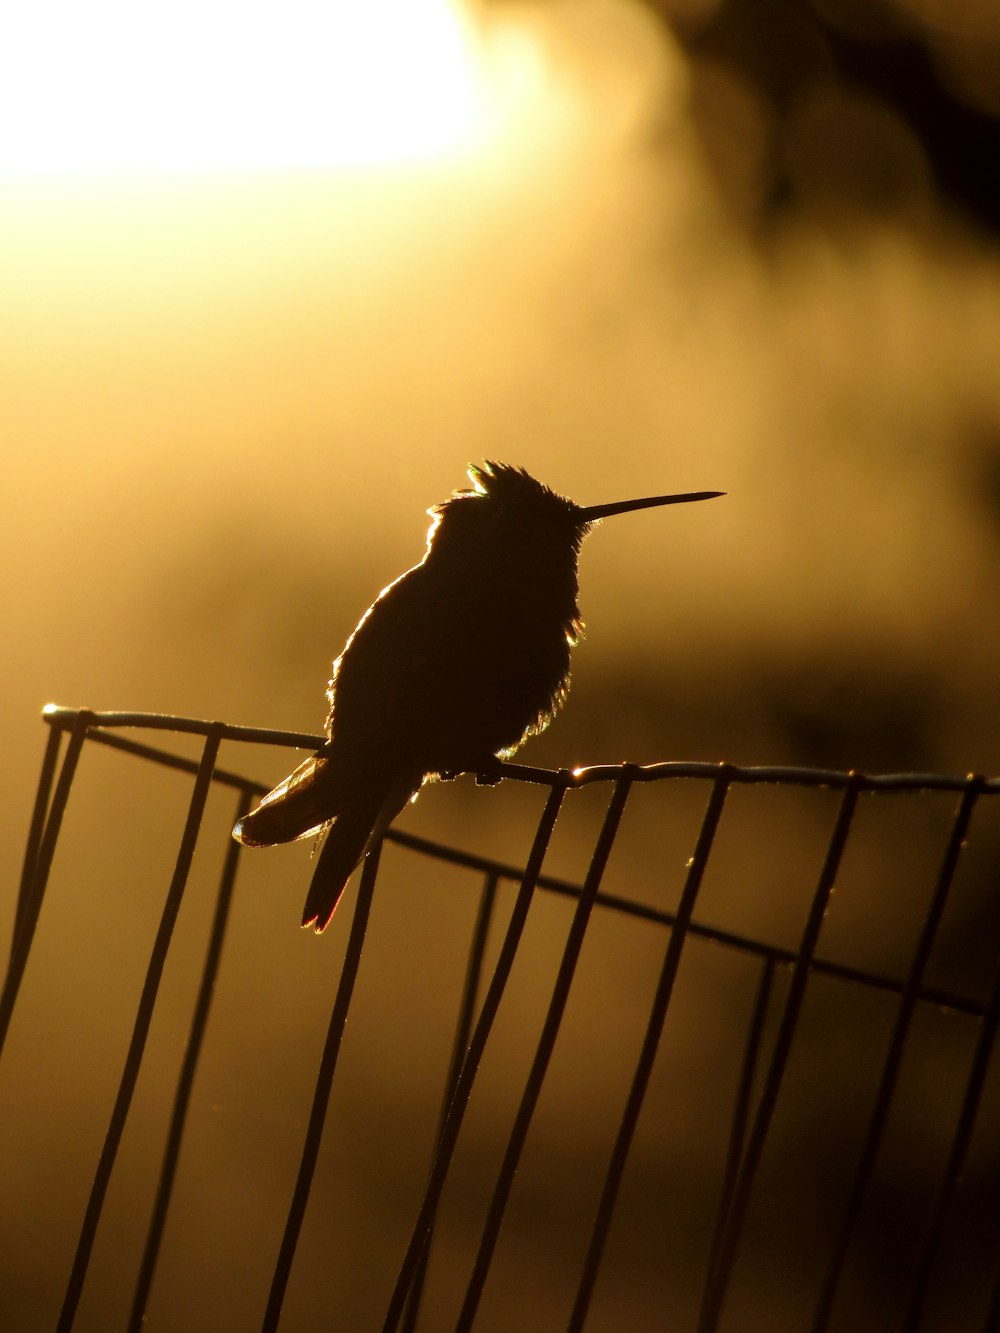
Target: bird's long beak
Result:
[591, 513]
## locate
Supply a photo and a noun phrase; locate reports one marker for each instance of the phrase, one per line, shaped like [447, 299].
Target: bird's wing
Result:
[381, 676]
[373, 685]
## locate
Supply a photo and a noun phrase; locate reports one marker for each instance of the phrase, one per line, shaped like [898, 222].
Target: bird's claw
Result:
[488, 774]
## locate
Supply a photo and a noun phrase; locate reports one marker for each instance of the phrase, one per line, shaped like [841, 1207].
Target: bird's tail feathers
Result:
[355, 830]
[298, 806]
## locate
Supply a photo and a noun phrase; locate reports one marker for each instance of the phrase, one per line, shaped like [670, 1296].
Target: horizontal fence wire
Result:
[763, 1068]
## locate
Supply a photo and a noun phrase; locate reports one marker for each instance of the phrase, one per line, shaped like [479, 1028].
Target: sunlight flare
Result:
[209, 84]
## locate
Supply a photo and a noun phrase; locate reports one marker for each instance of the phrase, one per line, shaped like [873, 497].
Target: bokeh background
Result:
[268, 282]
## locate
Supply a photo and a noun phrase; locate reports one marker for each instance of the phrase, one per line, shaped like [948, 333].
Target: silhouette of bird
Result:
[453, 666]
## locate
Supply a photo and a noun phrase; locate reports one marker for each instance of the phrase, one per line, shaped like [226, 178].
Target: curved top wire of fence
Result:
[62, 717]
[106, 726]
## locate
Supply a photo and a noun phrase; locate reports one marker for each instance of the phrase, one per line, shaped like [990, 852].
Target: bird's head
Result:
[506, 509]
[504, 513]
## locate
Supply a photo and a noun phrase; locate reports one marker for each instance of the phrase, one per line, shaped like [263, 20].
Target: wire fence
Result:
[783, 978]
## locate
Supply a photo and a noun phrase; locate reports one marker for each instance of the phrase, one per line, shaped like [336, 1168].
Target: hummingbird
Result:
[453, 666]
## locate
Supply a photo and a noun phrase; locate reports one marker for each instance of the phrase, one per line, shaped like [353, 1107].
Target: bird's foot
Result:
[489, 773]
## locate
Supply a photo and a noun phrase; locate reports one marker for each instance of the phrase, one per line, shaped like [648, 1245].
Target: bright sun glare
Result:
[188, 85]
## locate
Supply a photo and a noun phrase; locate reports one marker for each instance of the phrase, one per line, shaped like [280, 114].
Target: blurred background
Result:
[269, 280]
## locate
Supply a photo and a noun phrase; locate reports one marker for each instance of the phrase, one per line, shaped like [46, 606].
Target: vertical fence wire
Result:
[324, 1084]
[185, 1082]
[647, 1054]
[545, 1047]
[894, 1056]
[140, 1031]
[954, 1168]
[35, 829]
[477, 1045]
[466, 1014]
[741, 1107]
[992, 1322]
[30, 904]
[718, 1278]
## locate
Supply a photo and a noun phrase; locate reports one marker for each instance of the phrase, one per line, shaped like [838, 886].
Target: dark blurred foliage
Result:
[984, 480]
[855, 104]
[864, 716]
